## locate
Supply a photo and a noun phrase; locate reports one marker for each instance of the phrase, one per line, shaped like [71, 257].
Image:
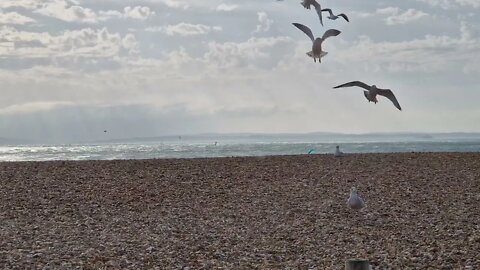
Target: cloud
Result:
[177, 4]
[226, 7]
[138, 12]
[396, 16]
[85, 42]
[448, 4]
[27, 4]
[70, 11]
[185, 29]
[264, 22]
[33, 107]
[14, 18]
[231, 54]
[64, 11]
[429, 54]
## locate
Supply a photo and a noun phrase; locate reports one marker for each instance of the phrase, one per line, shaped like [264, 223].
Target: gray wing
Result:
[344, 16]
[328, 10]
[318, 8]
[389, 94]
[305, 29]
[330, 33]
[354, 83]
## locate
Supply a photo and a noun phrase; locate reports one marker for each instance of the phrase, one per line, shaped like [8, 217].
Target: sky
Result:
[70, 69]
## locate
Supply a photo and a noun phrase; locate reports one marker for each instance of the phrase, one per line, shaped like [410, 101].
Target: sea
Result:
[213, 145]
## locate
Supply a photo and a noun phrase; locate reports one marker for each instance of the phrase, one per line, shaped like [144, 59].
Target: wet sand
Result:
[423, 212]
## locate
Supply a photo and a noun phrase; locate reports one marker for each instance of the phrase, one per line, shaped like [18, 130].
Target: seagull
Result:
[334, 17]
[354, 201]
[338, 153]
[372, 92]
[317, 42]
[307, 3]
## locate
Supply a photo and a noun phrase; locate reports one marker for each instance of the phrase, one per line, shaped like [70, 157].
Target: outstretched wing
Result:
[344, 16]
[318, 8]
[354, 83]
[305, 29]
[330, 33]
[389, 94]
[328, 10]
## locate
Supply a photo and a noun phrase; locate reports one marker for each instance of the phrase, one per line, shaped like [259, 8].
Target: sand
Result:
[423, 212]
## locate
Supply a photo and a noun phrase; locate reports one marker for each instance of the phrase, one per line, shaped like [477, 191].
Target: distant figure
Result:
[354, 201]
[338, 153]
[105, 131]
[216, 143]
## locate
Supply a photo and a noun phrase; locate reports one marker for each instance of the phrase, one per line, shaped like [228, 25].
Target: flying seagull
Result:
[317, 42]
[372, 92]
[354, 201]
[334, 17]
[307, 3]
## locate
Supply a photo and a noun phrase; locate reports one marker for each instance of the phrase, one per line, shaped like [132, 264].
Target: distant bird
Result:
[372, 92]
[338, 153]
[334, 17]
[105, 131]
[354, 201]
[317, 42]
[307, 3]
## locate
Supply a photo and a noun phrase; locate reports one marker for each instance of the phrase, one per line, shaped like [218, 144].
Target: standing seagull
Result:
[372, 92]
[354, 201]
[317, 42]
[338, 153]
[334, 17]
[307, 3]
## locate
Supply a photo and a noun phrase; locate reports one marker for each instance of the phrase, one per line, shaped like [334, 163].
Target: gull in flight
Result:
[334, 17]
[307, 3]
[354, 201]
[317, 42]
[372, 92]
[338, 153]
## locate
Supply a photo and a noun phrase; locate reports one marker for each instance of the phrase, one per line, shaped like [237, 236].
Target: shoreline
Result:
[345, 155]
[242, 212]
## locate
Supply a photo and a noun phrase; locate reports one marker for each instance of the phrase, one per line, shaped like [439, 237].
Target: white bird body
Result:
[317, 51]
[338, 153]
[372, 92]
[354, 201]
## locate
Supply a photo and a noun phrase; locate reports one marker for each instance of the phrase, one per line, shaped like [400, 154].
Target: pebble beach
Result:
[275, 212]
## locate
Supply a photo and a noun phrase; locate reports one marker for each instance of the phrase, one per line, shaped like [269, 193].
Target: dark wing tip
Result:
[344, 16]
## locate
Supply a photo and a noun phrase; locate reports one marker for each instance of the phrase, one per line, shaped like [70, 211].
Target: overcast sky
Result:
[70, 69]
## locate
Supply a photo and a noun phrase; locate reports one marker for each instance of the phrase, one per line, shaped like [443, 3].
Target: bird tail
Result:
[310, 53]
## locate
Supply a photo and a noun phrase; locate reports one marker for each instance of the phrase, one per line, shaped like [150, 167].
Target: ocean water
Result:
[182, 148]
